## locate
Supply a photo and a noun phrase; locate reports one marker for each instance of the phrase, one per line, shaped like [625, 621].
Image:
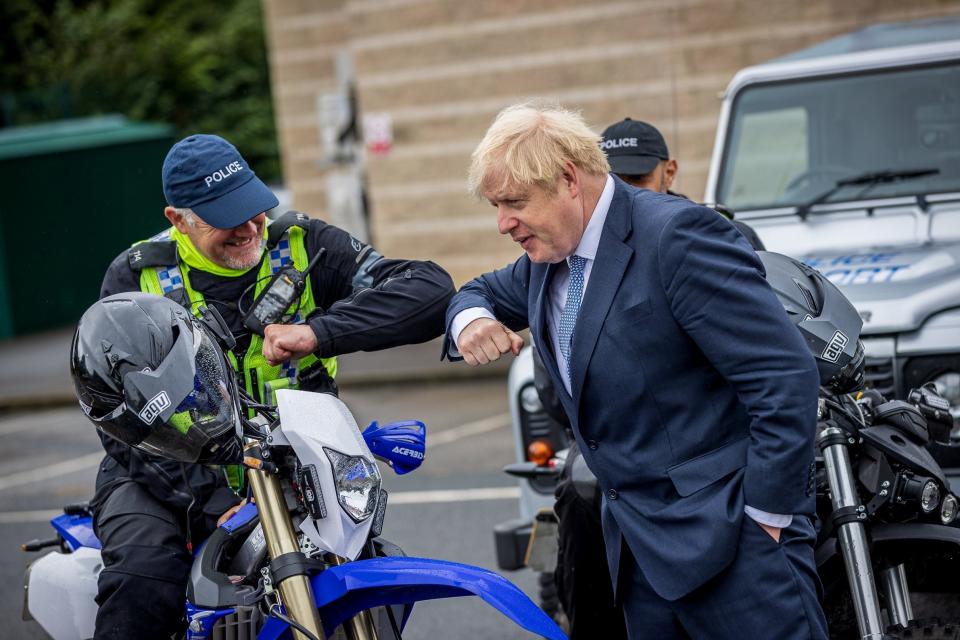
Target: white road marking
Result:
[477, 427]
[453, 495]
[396, 498]
[47, 472]
[484, 425]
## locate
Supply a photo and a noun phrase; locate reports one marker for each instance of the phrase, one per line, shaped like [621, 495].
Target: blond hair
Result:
[530, 143]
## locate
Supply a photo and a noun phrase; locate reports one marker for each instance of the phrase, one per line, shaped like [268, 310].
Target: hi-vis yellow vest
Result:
[261, 379]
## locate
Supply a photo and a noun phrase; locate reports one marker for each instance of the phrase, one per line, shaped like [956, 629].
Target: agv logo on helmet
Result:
[155, 407]
[834, 349]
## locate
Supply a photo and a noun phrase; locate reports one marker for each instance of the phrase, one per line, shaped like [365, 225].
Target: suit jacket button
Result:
[592, 444]
[612, 494]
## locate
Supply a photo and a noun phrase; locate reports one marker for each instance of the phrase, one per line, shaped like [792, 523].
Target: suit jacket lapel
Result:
[613, 256]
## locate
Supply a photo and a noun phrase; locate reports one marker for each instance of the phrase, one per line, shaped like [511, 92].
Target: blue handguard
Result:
[399, 444]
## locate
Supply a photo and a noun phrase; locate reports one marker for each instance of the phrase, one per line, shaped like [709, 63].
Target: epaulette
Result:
[279, 226]
[155, 253]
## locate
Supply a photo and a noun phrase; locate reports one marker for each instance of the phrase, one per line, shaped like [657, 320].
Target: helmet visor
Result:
[185, 409]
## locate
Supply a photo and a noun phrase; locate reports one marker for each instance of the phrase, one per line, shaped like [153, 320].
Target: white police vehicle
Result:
[847, 156]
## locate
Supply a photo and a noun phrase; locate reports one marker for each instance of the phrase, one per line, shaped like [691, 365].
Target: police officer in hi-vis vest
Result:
[220, 252]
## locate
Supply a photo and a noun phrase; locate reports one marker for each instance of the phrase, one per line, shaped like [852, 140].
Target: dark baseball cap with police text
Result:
[207, 174]
[633, 147]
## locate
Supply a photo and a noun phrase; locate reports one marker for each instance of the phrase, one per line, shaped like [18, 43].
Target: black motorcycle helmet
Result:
[150, 375]
[828, 322]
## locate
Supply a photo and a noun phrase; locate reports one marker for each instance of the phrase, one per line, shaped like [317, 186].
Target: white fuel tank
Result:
[61, 588]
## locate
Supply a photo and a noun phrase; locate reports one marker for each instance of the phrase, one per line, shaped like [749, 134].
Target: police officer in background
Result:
[221, 252]
[638, 155]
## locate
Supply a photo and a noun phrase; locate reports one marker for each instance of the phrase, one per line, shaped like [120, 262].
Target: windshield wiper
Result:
[868, 179]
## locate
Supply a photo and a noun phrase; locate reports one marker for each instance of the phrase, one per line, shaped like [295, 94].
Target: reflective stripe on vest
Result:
[170, 278]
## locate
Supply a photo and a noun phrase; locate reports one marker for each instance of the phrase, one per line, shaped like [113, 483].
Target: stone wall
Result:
[443, 68]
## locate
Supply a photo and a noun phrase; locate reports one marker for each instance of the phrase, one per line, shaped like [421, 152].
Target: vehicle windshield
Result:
[790, 142]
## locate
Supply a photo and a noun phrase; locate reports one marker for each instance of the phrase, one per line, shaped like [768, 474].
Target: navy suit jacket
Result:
[692, 392]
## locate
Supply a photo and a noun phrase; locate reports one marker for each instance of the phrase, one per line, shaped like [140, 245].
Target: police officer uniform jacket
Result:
[364, 302]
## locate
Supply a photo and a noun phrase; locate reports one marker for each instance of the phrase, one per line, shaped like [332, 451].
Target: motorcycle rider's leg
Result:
[770, 590]
[146, 565]
[582, 577]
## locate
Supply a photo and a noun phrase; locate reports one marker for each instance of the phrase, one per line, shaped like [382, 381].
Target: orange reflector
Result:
[539, 452]
[253, 463]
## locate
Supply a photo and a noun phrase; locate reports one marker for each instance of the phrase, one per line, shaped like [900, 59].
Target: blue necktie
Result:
[571, 307]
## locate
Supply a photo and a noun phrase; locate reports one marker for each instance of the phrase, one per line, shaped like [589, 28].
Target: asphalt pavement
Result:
[446, 509]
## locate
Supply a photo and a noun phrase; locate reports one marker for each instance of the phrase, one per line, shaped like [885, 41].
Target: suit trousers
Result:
[770, 590]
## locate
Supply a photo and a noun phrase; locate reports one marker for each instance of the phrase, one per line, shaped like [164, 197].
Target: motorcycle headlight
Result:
[530, 399]
[948, 386]
[930, 496]
[358, 484]
[948, 510]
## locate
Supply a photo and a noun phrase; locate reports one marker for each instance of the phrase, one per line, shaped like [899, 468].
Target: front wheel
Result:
[928, 629]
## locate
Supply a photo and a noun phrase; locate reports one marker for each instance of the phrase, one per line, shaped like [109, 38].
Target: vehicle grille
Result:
[539, 425]
[246, 624]
[243, 625]
[878, 374]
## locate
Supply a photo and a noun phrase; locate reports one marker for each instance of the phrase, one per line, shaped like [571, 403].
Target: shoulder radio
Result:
[284, 288]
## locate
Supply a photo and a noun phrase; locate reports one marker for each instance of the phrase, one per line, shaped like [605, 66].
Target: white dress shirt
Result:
[587, 249]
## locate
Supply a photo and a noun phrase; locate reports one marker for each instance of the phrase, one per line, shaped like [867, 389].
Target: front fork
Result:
[295, 591]
[850, 516]
[360, 626]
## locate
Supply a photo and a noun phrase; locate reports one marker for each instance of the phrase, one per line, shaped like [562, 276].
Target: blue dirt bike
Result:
[305, 559]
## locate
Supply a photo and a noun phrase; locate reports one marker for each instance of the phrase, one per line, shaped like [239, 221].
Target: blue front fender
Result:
[343, 591]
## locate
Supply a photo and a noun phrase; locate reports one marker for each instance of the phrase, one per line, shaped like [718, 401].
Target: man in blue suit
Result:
[692, 397]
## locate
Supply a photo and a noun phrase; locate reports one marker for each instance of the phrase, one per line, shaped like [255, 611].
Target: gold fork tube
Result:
[295, 592]
[360, 626]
